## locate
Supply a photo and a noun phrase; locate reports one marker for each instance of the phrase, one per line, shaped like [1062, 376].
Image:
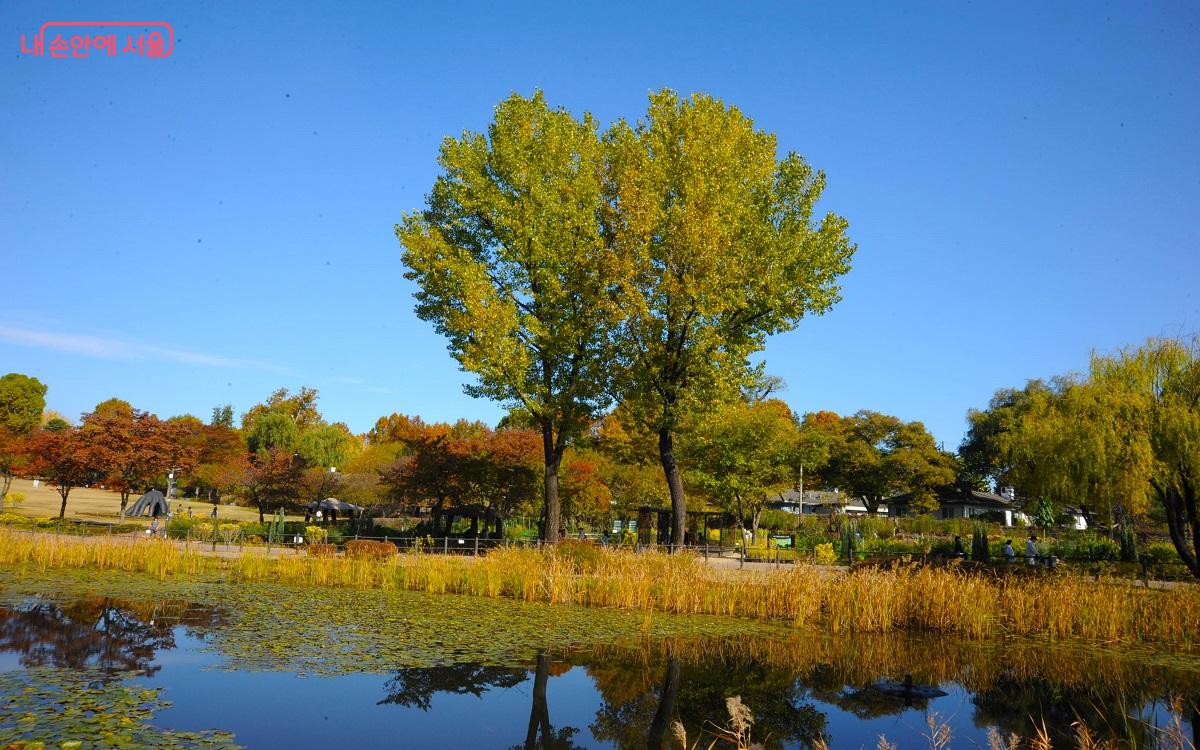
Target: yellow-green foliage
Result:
[315, 534]
[824, 554]
[950, 600]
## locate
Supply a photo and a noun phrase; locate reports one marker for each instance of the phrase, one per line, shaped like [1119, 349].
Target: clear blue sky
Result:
[1022, 179]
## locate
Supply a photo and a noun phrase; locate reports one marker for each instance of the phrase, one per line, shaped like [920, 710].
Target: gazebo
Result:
[331, 506]
[654, 525]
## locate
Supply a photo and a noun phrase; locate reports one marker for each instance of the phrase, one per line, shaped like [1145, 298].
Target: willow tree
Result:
[1117, 439]
[1152, 396]
[512, 268]
[723, 249]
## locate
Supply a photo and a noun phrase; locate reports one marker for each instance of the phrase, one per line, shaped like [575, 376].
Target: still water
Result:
[221, 670]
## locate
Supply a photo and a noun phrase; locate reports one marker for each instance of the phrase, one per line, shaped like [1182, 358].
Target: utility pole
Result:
[800, 509]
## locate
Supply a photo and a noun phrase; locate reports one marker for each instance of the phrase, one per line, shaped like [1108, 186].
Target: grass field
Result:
[94, 504]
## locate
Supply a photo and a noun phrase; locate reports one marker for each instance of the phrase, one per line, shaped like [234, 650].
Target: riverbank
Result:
[904, 598]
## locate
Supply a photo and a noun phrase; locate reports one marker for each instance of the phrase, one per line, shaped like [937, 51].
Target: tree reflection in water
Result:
[111, 635]
[803, 689]
[637, 711]
[1014, 685]
[416, 687]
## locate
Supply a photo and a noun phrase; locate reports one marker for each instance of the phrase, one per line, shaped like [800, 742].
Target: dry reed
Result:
[872, 600]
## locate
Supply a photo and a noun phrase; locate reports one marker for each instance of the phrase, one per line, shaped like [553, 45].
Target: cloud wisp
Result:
[118, 349]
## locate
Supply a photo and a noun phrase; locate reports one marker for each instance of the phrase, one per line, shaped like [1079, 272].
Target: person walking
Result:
[1031, 550]
[959, 552]
[1010, 554]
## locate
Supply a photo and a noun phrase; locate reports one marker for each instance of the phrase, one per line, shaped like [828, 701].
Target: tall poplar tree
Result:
[512, 269]
[724, 249]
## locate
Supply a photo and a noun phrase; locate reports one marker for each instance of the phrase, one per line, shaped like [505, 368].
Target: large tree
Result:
[22, 399]
[1071, 441]
[513, 269]
[63, 458]
[130, 447]
[724, 249]
[273, 479]
[873, 455]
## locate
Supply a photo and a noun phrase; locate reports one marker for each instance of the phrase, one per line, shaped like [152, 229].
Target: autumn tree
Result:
[585, 485]
[512, 267]
[299, 407]
[273, 479]
[498, 470]
[723, 249]
[403, 429]
[1066, 442]
[64, 459]
[631, 468]
[221, 461]
[22, 399]
[129, 447]
[873, 456]
[741, 453]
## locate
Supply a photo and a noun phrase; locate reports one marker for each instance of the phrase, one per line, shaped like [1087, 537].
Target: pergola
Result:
[655, 524]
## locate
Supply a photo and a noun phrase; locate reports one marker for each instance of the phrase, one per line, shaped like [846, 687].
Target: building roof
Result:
[960, 496]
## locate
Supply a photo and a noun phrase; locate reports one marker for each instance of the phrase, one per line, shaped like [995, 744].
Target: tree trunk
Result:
[666, 707]
[261, 518]
[5, 487]
[666, 454]
[1183, 521]
[62, 510]
[552, 509]
[539, 712]
[124, 502]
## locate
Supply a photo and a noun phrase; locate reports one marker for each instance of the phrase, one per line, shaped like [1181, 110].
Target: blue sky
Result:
[1022, 180]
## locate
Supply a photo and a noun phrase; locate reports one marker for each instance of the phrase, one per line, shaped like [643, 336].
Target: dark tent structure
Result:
[330, 507]
[152, 504]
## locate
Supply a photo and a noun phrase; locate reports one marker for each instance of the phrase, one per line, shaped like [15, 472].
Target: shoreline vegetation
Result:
[873, 600]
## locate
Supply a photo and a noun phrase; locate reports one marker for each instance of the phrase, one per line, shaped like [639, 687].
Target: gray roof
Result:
[960, 496]
[332, 503]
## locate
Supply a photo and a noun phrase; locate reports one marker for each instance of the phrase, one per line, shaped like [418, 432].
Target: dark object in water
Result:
[908, 690]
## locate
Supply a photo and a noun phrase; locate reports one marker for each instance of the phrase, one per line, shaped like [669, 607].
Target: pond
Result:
[124, 661]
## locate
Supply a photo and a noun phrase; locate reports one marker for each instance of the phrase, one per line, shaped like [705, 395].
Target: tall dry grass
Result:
[968, 604]
[158, 558]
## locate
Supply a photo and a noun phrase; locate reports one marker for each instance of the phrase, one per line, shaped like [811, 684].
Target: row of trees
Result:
[282, 454]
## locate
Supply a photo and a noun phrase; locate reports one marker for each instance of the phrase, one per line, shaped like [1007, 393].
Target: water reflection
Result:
[801, 689]
[111, 635]
[808, 689]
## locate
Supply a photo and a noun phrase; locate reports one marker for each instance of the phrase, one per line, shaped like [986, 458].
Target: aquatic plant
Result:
[69, 708]
[905, 597]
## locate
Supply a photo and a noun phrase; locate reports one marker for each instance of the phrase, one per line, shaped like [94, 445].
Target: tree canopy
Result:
[22, 399]
[513, 269]
[741, 453]
[723, 250]
[1112, 441]
[872, 456]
